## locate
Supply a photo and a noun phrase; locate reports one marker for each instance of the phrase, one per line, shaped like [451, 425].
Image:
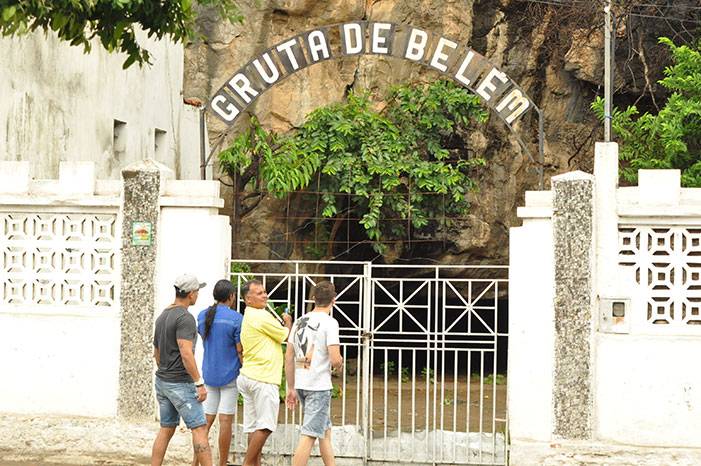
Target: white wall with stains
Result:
[60, 104]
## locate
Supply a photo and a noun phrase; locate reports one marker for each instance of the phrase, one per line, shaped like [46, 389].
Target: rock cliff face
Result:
[554, 53]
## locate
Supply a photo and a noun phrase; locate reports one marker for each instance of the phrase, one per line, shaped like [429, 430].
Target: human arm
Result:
[236, 336]
[335, 357]
[333, 344]
[188, 356]
[239, 351]
[156, 351]
[291, 399]
[274, 330]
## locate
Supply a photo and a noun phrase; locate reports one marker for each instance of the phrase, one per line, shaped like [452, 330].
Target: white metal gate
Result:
[425, 356]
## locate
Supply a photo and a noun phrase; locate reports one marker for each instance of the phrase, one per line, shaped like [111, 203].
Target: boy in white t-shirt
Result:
[313, 347]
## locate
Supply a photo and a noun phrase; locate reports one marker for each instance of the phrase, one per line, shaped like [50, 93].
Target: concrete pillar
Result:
[142, 184]
[574, 254]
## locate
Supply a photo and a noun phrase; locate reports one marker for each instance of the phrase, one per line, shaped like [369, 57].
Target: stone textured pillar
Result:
[573, 236]
[141, 190]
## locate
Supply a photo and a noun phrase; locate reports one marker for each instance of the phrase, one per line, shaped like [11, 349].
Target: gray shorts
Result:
[221, 400]
[316, 406]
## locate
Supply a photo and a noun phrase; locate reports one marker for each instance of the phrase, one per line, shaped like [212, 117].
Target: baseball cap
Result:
[188, 282]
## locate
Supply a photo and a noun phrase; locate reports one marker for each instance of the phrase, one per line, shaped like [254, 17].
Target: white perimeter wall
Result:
[60, 345]
[61, 358]
[193, 240]
[531, 325]
[648, 390]
[60, 363]
[647, 385]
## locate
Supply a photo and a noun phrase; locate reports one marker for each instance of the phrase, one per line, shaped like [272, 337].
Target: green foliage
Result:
[390, 367]
[406, 162]
[672, 137]
[240, 273]
[491, 379]
[281, 309]
[405, 374]
[336, 392]
[113, 22]
[282, 388]
[428, 374]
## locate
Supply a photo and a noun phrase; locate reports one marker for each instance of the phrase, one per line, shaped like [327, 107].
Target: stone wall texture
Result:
[141, 194]
[573, 226]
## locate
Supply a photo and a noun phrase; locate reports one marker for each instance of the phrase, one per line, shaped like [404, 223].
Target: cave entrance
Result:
[425, 346]
[425, 350]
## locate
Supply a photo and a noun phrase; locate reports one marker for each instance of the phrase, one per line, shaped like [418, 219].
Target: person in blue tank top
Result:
[220, 328]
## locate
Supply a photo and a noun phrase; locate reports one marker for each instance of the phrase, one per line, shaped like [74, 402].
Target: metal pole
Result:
[608, 73]
[541, 150]
[366, 368]
[203, 150]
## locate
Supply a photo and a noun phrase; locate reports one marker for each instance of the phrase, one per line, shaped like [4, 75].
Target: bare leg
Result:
[158, 452]
[256, 440]
[210, 421]
[200, 444]
[326, 449]
[304, 449]
[225, 422]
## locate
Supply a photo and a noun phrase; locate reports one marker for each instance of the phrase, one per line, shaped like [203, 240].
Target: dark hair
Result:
[247, 287]
[223, 290]
[323, 293]
[181, 294]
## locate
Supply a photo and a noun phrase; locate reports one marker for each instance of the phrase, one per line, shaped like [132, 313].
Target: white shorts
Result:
[261, 404]
[221, 400]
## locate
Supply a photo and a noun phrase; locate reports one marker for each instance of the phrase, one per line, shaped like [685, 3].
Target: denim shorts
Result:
[176, 400]
[316, 406]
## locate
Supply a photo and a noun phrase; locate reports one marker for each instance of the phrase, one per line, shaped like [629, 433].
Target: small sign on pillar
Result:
[141, 233]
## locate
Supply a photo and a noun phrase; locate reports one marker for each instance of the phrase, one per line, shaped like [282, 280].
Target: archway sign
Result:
[459, 62]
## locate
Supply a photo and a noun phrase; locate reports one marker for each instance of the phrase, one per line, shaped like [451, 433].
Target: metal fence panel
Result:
[421, 383]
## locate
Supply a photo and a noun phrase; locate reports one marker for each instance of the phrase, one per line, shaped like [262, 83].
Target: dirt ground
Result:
[449, 410]
[66, 441]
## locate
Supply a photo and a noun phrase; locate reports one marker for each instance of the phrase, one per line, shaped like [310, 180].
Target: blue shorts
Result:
[176, 399]
[316, 406]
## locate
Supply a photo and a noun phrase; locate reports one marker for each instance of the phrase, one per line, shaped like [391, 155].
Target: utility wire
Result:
[588, 2]
[631, 13]
[657, 5]
[670, 18]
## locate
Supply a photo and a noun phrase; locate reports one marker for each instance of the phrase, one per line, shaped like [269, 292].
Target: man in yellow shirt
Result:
[262, 336]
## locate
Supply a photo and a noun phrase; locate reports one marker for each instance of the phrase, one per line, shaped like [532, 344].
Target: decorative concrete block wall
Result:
[76, 279]
[59, 291]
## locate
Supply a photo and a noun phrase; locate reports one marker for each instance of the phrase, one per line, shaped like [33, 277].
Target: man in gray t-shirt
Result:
[179, 388]
[174, 324]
